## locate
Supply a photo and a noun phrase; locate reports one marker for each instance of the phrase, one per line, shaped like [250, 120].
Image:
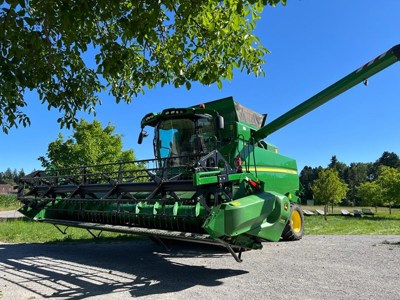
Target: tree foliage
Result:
[370, 193]
[328, 188]
[389, 159]
[137, 44]
[89, 145]
[307, 178]
[389, 183]
[338, 166]
[11, 176]
[385, 190]
[355, 176]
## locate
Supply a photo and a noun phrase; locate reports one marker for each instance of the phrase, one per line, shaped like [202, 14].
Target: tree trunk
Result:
[326, 211]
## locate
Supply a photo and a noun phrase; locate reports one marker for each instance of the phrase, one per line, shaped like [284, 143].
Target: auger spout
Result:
[361, 74]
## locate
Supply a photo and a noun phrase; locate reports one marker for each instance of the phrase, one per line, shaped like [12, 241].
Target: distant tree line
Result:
[362, 184]
[11, 176]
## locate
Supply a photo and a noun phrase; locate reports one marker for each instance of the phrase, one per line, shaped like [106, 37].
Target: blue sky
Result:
[313, 44]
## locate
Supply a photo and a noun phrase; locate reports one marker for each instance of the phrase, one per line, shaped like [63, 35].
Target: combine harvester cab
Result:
[213, 179]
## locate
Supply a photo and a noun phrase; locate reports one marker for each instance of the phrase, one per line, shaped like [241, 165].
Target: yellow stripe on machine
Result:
[274, 170]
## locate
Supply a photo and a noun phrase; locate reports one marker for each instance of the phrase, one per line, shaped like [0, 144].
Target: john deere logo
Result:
[286, 206]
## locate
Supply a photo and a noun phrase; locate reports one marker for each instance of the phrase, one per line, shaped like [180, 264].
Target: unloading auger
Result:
[213, 179]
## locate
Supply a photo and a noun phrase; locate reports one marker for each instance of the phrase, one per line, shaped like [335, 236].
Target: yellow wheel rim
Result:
[296, 221]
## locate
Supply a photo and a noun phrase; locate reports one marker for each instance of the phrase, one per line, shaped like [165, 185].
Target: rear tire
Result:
[295, 226]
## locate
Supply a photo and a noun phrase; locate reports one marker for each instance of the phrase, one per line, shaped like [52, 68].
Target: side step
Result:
[173, 235]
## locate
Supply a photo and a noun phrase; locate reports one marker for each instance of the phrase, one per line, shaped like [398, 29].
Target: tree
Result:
[355, 175]
[89, 145]
[11, 176]
[370, 193]
[389, 159]
[137, 44]
[21, 174]
[8, 176]
[328, 188]
[307, 177]
[340, 167]
[389, 181]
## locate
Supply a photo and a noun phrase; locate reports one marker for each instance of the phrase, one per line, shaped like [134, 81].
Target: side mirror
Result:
[220, 122]
[142, 135]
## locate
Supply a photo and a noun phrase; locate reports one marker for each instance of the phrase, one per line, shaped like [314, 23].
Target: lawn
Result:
[381, 223]
[9, 202]
[26, 231]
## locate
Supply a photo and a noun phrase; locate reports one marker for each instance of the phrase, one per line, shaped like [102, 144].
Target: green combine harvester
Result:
[213, 179]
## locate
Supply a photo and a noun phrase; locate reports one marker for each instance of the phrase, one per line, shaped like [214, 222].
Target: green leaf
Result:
[137, 46]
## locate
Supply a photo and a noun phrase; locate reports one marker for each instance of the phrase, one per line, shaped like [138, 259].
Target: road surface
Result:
[317, 267]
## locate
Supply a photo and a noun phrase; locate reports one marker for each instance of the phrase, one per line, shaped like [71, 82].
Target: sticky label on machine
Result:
[286, 206]
[235, 203]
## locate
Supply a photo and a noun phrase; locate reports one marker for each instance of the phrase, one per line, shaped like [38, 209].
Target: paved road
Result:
[318, 267]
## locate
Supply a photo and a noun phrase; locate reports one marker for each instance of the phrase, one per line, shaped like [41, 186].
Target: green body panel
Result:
[278, 172]
[204, 178]
[263, 215]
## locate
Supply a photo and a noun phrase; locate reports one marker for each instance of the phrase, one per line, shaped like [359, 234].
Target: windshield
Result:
[180, 137]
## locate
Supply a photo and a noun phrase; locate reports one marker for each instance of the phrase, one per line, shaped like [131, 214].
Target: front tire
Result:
[295, 226]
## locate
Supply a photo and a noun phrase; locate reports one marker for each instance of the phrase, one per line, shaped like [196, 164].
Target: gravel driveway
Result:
[317, 267]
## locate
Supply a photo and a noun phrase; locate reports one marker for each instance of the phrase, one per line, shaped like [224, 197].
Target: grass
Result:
[381, 223]
[26, 231]
[9, 202]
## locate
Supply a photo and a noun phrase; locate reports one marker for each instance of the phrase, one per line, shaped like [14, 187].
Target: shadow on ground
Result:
[77, 271]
